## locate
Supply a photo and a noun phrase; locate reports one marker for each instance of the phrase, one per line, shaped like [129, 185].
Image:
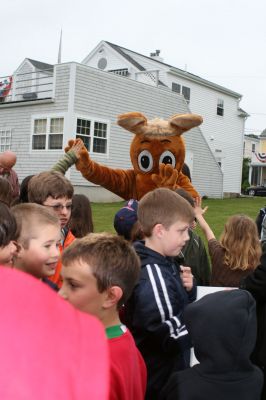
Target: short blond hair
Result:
[163, 206]
[29, 218]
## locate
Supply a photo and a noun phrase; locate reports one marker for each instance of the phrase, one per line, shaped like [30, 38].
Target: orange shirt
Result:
[57, 278]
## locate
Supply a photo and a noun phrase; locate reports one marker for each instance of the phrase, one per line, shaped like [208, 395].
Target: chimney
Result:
[156, 55]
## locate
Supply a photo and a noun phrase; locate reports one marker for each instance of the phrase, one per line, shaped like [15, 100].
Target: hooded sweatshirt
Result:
[154, 314]
[222, 326]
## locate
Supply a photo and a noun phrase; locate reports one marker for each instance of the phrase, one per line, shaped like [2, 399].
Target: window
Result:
[176, 87]
[94, 135]
[253, 147]
[220, 107]
[48, 134]
[5, 139]
[186, 93]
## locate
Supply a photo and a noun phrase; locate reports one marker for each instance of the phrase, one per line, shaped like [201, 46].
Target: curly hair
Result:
[241, 243]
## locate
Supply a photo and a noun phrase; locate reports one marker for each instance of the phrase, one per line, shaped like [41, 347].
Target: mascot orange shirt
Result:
[157, 154]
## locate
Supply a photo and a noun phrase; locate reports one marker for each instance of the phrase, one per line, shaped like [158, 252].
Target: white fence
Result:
[27, 86]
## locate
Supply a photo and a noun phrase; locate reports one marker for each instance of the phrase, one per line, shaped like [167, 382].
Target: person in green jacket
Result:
[194, 254]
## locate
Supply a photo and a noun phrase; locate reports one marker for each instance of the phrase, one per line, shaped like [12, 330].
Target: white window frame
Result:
[220, 106]
[186, 87]
[253, 147]
[94, 119]
[48, 117]
[181, 90]
[5, 139]
[178, 86]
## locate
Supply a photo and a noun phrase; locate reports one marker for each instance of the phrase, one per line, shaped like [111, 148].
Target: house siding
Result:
[19, 118]
[223, 133]
[103, 95]
[106, 95]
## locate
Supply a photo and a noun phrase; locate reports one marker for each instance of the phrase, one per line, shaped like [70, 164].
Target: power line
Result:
[250, 113]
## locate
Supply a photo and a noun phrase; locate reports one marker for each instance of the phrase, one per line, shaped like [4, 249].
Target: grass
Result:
[103, 215]
[217, 214]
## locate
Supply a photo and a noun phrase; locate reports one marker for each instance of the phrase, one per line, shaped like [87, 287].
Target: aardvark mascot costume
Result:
[157, 154]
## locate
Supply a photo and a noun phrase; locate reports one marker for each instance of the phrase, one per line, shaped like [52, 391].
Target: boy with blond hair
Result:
[154, 313]
[99, 273]
[54, 191]
[38, 240]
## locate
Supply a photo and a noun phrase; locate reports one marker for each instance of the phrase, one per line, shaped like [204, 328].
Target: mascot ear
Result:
[184, 122]
[132, 121]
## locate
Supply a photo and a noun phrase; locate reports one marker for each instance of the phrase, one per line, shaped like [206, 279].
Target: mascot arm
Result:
[119, 181]
[184, 183]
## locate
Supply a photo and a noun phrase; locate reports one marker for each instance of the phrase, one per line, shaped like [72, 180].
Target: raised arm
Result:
[199, 212]
[69, 158]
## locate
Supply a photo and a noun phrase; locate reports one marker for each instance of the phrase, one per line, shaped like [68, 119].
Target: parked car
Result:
[256, 190]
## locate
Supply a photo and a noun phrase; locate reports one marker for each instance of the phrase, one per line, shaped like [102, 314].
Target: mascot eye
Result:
[145, 161]
[167, 158]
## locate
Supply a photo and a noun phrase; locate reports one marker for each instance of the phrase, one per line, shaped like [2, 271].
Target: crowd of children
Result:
[141, 284]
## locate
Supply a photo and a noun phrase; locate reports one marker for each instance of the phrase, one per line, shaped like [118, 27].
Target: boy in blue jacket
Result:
[154, 313]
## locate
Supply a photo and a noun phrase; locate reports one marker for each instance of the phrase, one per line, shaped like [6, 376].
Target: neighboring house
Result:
[255, 149]
[71, 100]
[224, 120]
[251, 145]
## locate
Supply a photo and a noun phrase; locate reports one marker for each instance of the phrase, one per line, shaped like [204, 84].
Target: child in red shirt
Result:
[99, 273]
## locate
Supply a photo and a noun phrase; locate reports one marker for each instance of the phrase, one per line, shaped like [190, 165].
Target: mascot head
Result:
[157, 141]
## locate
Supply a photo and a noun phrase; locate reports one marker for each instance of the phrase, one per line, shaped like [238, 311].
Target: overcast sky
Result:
[222, 41]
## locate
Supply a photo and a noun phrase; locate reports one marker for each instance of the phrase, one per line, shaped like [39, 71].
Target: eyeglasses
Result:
[59, 207]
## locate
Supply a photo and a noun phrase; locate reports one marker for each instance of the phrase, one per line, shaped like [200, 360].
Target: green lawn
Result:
[217, 214]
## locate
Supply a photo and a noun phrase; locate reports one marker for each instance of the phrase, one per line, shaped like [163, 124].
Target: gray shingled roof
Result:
[130, 59]
[40, 65]
[186, 74]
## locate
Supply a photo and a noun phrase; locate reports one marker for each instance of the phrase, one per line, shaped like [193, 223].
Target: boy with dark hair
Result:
[52, 189]
[154, 313]
[99, 274]
[194, 253]
[38, 241]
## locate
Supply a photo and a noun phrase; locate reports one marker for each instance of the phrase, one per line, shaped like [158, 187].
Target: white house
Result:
[67, 100]
[255, 150]
[251, 145]
[224, 120]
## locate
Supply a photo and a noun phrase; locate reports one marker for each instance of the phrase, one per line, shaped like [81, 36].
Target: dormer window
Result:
[186, 93]
[176, 87]
[184, 90]
[220, 107]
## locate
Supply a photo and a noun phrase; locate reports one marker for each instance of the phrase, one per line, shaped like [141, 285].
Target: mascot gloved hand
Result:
[157, 154]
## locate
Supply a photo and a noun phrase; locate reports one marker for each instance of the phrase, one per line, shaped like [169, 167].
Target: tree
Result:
[245, 173]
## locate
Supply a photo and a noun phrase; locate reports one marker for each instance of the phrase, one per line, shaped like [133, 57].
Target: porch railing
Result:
[27, 86]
